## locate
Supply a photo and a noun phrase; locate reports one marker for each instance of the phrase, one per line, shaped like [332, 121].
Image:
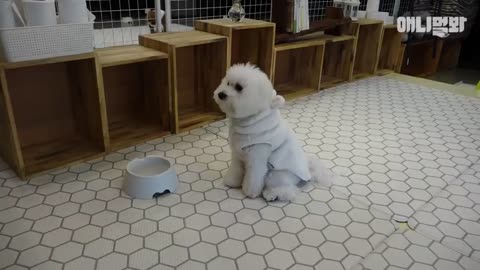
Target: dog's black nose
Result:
[222, 96]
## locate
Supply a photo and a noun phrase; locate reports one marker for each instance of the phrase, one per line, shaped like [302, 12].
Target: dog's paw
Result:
[282, 193]
[251, 192]
[232, 181]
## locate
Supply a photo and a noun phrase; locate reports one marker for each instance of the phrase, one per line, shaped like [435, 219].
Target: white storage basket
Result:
[38, 42]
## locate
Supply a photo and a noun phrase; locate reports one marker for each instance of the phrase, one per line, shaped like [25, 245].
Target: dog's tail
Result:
[321, 175]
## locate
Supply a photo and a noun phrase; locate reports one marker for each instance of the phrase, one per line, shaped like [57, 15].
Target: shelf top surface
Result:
[244, 24]
[390, 26]
[367, 21]
[46, 61]
[182, 39]
[329, 38]
[127, 54]
[300, 44]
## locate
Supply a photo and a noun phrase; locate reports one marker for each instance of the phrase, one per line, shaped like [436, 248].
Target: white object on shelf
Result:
[39, 42]
[339, 3]
[127, 21]
[389, 20]
[302, 21]
[373, 5]
[7, 17]
[350, 9]
[39, 13]
[73, 11]
[375, 15]
[361, 14]
[18, 10]
[149, 177]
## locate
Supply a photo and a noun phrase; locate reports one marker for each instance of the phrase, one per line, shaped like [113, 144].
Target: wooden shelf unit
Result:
[337, 60]
[450, 53]
[137, 99]
[248, 41]
[298, 68]
[422, 57]
[367, 46]
[51, 113]
[389, 49]
[198, 62]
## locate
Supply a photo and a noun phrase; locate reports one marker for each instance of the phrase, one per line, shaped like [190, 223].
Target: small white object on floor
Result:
[149, 177]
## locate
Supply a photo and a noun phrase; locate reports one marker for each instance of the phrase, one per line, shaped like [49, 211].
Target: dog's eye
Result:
[238, 87]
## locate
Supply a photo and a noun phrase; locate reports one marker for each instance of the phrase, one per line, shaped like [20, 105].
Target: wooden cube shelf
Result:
[337, 60]
[198, 62]
[450, 53]
[401, 54]
[422, 57]
[389, 50]
[298, 68]
[135, 82]
[367, 46]
[52, 113]
[248, 41]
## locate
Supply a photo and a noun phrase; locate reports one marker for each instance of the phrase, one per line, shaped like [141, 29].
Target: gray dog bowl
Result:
[149, 177]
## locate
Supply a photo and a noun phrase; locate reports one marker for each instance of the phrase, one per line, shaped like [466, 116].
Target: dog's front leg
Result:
[256, 169]
[235, 173]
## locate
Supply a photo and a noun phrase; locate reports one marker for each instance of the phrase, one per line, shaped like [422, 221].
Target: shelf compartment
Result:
[248, 41]
[57, 113]
[368, 38]
[198, 62]
[337, 60]
[136, 86]
[389, 50]
[422, 57]
[298, 68]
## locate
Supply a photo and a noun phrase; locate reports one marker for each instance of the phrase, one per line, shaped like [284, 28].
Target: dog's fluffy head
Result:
[245, 91]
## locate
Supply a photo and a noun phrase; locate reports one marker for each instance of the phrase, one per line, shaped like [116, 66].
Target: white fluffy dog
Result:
[266, 156]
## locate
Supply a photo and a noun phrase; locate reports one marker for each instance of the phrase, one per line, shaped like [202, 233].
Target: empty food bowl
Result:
[149, 177]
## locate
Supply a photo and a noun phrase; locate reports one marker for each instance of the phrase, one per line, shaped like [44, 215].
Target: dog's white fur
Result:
[245, 93]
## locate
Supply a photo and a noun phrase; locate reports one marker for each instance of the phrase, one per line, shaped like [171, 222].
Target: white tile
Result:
[67, 252]
[143, 259]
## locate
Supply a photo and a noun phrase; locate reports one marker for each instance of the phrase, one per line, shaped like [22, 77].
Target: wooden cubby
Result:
[298, 68]
[52, 113]
[137, 100]
[337, 60]
[399, 63]
[367, 46]
[450, 53]
[198, 62]
[422, 57]
[248, 41]
[389, 50]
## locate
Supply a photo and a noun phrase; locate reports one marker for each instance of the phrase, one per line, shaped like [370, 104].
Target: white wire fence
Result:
[120, 22]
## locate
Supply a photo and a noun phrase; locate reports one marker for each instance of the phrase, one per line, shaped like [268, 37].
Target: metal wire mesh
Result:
[317, 8]
[185, 12]
[387, 6]
[120, 22]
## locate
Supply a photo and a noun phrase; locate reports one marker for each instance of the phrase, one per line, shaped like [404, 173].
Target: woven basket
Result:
[38, 42]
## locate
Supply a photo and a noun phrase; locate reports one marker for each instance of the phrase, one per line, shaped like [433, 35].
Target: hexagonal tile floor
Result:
[452, 217]
[78, 218]
[407, 249]
[394, 146]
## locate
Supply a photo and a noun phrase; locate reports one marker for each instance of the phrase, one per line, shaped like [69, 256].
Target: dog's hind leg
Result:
[281, 185]
[234, 176]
